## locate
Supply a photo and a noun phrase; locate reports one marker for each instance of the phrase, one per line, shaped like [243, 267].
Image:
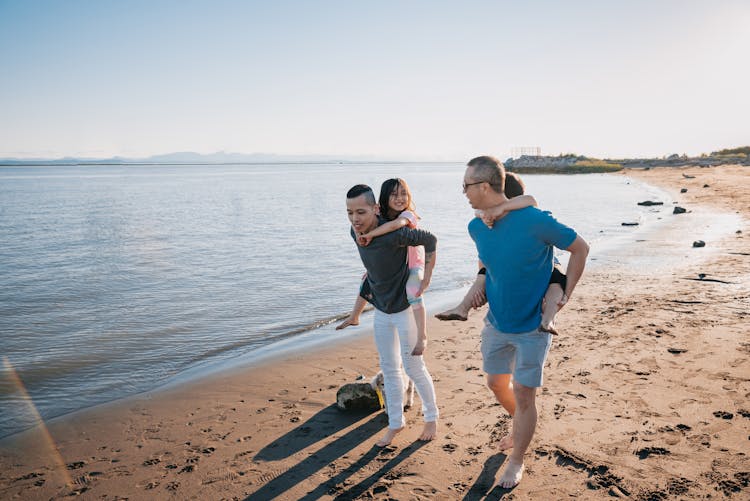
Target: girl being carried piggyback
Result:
[555, 296]
[397, 207]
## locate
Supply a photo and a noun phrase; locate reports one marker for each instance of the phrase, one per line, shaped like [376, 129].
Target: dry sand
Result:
[645, 397]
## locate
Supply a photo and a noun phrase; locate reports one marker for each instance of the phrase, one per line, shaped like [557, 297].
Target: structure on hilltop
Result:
[530, 151]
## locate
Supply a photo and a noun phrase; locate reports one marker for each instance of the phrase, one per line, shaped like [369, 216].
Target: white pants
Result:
[395, 337]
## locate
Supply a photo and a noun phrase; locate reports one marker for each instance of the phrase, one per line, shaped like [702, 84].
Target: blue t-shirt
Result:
[517, 252]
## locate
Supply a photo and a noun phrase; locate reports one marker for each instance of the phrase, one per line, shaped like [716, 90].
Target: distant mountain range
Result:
[188, 157]
[568, 162]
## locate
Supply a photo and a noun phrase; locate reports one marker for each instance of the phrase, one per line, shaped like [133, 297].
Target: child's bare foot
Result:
[388, 437]
[453, 314]
[549, 327]
[512, 475]
[430, 431]
[347, 322]
[506, 442]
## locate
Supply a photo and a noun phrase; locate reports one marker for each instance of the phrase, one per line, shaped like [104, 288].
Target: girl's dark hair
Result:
[513, 185]
[388, 187]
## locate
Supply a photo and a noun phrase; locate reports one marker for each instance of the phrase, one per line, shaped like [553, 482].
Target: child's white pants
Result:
[395, 338]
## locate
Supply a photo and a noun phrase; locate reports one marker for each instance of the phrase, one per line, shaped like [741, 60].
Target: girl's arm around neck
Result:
[383, 229]
[492, 214]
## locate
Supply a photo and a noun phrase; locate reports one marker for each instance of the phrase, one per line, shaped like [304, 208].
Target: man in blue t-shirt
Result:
[517, 254]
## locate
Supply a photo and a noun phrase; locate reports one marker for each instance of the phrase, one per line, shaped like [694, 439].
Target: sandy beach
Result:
[646, 396]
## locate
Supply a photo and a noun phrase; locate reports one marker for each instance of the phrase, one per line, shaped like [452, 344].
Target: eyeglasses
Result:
[466, 185]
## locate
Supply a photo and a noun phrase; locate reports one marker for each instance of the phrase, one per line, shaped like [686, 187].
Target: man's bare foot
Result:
[549, 327]
[388, 437]
[430, 431]
[506, 442]
[512, 475]
[453, 314]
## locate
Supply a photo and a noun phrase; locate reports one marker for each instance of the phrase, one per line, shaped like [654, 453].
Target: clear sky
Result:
[393, 79]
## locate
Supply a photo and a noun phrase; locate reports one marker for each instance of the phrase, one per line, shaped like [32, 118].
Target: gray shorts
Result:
[521, 354]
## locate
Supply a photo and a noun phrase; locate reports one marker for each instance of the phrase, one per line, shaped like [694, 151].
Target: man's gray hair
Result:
[490, 170]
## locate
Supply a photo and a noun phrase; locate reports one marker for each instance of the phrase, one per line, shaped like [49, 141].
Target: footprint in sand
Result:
[672, 436]
[651, 451]
[86, 478]
[28, 476]
[151, 485]
[702, 439]
[559, 409]
[78, 491]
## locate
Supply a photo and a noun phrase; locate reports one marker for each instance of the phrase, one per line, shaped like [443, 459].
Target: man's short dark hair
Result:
[513, 185]
[362, 189]
[490, 170]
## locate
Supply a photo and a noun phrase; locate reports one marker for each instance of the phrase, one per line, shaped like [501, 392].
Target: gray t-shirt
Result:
[385, 260]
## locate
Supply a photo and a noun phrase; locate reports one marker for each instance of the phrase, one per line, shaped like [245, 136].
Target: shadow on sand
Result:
[325, 423]
[330, 486]
[484, 487]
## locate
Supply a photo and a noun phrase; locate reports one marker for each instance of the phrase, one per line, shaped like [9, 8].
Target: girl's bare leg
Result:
[420, 317]
[549, 308]
[474, 298]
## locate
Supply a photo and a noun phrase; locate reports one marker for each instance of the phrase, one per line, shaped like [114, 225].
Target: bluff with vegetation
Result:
[561, 164]
[575, 164]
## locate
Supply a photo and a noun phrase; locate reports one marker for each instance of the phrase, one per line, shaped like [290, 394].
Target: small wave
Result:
[236, 347]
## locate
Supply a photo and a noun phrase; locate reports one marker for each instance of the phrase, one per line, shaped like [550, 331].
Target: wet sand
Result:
[646, 396]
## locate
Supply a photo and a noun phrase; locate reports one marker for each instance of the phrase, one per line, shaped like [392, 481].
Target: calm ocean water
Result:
[115, 279]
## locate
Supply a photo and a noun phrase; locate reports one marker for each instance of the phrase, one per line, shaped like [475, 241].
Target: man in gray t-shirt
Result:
[385, 260]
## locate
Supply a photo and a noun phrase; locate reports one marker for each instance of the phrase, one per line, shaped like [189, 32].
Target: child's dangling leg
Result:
[420, 316]
[417, 304]
[549, 307]
[474, 298]
[552, 298]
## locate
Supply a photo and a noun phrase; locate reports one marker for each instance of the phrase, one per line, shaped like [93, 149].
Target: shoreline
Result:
[271, 428]
[306, 333]
[319, 337]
